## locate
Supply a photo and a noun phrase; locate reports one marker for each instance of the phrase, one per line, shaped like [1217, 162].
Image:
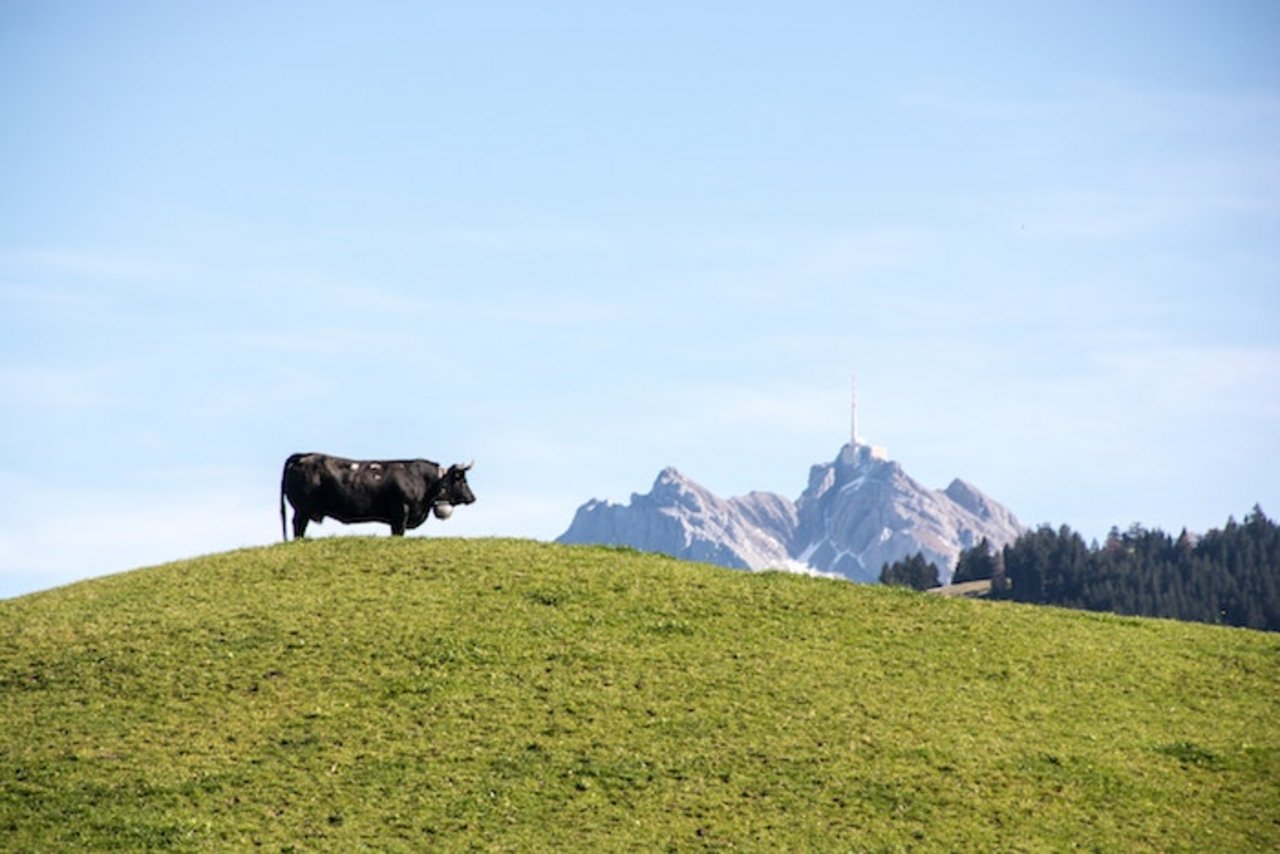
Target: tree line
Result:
[1229, 576]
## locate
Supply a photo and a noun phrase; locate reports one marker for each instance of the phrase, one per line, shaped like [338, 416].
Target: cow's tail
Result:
[284, 530]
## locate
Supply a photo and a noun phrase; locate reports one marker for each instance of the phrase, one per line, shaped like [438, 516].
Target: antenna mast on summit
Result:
[853, 411]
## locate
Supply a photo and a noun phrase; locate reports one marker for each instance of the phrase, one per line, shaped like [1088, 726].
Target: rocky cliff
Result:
[860, 512]
[857, 513]
[680, 518]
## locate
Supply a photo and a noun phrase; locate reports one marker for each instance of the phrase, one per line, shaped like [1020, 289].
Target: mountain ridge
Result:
[684, 519]
[858, 512]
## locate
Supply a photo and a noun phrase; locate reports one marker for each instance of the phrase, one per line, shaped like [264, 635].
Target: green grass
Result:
[399, 694]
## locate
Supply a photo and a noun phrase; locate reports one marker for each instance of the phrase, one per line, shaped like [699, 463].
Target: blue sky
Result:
[579, 242]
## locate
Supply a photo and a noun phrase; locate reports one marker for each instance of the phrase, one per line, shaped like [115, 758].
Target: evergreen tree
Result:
[914, 572]
[975, 564]
[1227, 576]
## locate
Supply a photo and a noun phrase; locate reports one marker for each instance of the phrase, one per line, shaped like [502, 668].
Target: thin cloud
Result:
[91, 264]
[28, 388]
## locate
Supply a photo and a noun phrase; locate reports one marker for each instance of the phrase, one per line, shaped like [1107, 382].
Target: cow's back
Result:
[339, 486]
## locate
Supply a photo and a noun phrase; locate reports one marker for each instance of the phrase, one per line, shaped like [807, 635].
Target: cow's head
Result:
[454, 489]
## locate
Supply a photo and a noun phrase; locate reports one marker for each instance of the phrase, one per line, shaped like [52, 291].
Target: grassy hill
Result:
[398, 694]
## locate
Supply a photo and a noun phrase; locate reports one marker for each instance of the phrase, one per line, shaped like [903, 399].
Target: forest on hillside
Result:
[1229, 576]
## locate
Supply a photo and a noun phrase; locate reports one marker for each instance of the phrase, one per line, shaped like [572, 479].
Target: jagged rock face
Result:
[991, 512]
[858, 513]
[770, 512]
[680, 518]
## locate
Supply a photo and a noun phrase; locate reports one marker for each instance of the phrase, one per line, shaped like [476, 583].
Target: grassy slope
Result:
[519, 695]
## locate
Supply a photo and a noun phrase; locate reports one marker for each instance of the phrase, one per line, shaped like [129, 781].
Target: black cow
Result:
[401, 493]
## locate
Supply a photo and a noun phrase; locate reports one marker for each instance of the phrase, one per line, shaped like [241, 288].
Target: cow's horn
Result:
[467, 467]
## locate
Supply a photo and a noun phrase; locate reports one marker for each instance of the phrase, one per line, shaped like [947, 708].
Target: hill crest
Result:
[379, 692]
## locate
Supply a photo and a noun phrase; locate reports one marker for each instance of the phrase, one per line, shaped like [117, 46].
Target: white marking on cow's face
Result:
[376, 466]
[355, 466]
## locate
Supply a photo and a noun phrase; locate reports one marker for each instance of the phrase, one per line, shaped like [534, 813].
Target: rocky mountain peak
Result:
[672, 488]
[682, 518]
[857, 513]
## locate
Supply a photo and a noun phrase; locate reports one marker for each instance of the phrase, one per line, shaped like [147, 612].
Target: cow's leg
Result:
[299, 524]
[397, 520]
